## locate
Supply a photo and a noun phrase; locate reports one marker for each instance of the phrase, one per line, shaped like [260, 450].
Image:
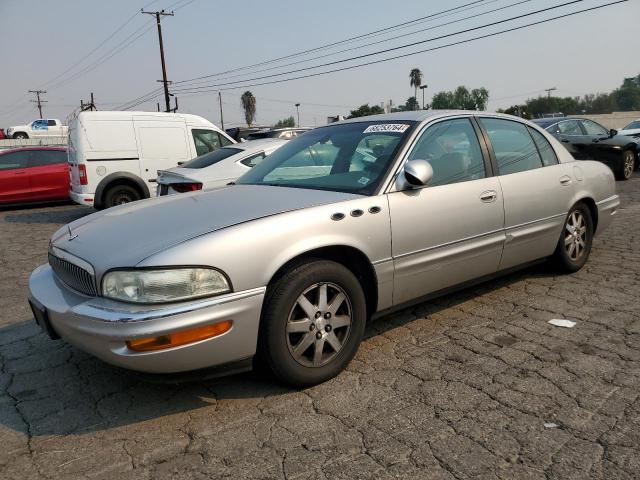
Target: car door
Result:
[161, 145]
[14, 178]
[54, 128]
[39, 128]
[600, 145]
[48, 175]
[450, 231]
[572, 136]
[537, 189]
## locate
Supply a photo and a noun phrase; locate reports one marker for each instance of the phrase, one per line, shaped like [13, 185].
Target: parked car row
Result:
[586, 139]
[34, 174]
[352, 219]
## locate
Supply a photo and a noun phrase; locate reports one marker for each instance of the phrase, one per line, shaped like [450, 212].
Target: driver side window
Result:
[592, 128]
[452, 149]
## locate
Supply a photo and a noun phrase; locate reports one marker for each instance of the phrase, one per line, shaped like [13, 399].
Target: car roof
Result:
[55, 149]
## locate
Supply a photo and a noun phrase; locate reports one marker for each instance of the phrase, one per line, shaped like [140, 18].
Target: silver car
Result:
[215, 169]
[343, 223]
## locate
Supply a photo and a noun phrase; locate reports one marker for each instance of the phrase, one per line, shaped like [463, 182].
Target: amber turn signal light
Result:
[179, 338]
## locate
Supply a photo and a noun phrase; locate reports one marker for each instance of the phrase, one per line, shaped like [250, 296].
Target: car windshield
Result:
[209, 159]
[633, 125]
[349, 157]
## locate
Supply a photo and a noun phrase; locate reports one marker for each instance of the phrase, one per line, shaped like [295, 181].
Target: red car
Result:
[38, 174]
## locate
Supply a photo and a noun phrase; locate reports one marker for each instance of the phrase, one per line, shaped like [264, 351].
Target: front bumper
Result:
[81, 198]
[101, 326]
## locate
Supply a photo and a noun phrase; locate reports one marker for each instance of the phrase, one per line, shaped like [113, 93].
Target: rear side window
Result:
[253, 160]
[206, 141]
[52, 123]
[513, 146]
[544, 148]
[224, 141]
[211, 158]
[14, 160]
[40, 158]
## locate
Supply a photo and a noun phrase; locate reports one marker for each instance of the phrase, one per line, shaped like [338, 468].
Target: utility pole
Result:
[422, 87]
[158, 15]
[549, 90]
[38, 101]
[221, 117]
[298, 110]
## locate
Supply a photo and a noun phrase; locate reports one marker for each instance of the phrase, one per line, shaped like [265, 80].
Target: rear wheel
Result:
[119, 195]
[627, 165]
[312, 323]
[575, 240]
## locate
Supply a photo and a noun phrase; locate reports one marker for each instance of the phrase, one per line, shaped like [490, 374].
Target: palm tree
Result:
[248, 102]
[416, 79]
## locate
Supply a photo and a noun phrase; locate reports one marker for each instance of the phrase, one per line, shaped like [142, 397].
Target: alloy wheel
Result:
[628, 164]
[575, 239]
[319, 324]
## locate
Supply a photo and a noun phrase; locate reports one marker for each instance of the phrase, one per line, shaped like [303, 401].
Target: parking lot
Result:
[475, 384]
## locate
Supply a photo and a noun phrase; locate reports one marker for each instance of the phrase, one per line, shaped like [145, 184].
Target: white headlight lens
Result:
[159, 286]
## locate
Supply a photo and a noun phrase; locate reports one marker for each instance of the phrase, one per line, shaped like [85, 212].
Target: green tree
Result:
[364, 110]
[285, 123]
[461, 99]
[248, 102]
[415, 80]
[628, 95]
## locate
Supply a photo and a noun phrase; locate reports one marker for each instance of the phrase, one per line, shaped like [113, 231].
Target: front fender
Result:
[252, 252]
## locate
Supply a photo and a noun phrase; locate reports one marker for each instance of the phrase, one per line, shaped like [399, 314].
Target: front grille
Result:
[74, 276]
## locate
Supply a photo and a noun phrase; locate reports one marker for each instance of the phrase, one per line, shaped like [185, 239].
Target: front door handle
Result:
[565, 180]
[564, 140]
[489, 196]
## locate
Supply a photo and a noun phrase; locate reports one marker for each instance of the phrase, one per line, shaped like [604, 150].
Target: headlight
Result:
[164, 285]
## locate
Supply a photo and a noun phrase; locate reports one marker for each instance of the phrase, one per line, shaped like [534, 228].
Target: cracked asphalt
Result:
[460, 387]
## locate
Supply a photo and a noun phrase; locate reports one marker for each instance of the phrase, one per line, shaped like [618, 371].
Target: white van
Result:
[114, 156]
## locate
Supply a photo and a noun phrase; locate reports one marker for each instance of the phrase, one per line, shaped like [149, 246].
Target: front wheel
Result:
[312, 323]
[627, 165]
[20, 136]
[575, 240]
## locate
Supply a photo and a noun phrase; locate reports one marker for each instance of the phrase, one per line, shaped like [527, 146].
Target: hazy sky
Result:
[41, 40]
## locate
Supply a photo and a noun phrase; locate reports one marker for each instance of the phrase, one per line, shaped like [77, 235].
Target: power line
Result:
[423, 51]
[440, 37]
[350, 39]
[195, 82]
[151, 95]
[113, 34]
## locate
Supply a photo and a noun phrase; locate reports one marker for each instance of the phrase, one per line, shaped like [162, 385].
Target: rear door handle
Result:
[566, 180]
[488, 196]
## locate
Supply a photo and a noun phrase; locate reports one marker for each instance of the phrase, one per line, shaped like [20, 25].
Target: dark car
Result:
[38, 174]
[283, 133]
[588, 140]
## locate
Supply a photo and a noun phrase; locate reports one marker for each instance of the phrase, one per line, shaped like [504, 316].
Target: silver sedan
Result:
[217, 168]
[346, 222]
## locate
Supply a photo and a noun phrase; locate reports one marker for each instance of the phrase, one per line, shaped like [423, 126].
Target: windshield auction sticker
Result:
[386, 127]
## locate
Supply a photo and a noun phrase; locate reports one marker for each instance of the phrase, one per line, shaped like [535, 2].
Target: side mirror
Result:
[613, 132]
[418, 173]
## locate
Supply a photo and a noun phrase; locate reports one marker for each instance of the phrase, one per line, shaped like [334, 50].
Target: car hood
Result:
[124, 236]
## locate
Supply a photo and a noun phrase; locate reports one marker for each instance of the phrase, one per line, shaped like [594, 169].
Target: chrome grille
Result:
[72, 275]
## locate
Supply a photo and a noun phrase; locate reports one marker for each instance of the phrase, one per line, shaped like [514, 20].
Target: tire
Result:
[627, 165]
[290, 334]
[573, 249]
[119, 195]
[20, 135]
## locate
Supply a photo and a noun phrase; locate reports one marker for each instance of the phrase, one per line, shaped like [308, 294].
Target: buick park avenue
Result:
[345, 222]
